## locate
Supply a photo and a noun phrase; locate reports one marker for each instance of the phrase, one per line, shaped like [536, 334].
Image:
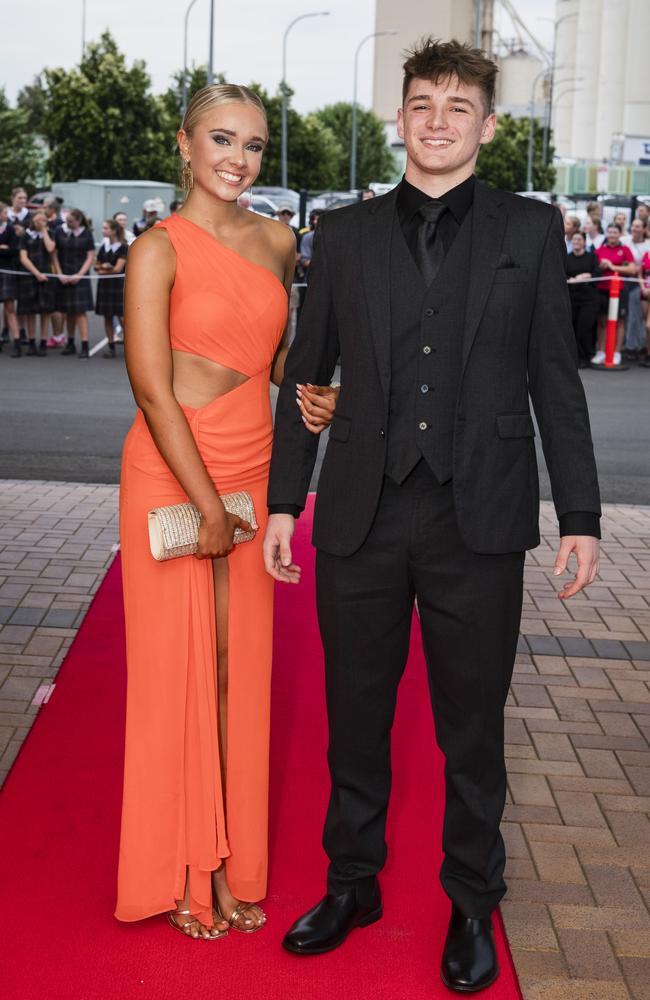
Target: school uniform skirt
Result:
[74, 298]
[8, 286]
[36, 296]
[110, 296]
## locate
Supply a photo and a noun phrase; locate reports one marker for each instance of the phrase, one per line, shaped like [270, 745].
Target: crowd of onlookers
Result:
[595, 253]
[48, 257]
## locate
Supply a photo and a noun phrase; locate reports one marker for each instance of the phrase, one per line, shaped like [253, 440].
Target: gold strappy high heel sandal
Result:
[181, 927]
[240, 911]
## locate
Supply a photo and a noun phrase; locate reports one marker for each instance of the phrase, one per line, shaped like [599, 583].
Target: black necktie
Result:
[430, 250]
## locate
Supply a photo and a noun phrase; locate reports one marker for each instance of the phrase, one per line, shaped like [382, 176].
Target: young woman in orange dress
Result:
[206, 309]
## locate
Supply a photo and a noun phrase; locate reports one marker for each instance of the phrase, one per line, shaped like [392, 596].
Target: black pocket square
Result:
[505, 260]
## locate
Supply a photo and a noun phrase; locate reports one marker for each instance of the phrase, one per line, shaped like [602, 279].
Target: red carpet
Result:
[59, 814]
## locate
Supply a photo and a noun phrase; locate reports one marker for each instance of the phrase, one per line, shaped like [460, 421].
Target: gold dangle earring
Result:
[187, 177]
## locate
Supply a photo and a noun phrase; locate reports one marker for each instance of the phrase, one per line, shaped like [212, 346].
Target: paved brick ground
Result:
[577, 822]
[56, 543]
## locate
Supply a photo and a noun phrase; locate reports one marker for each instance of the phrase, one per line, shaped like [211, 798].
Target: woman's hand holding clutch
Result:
[317, 405]
[216, 534]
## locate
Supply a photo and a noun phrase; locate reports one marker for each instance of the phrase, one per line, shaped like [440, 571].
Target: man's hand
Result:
[277, 549]
[587, 550]
[317, 404]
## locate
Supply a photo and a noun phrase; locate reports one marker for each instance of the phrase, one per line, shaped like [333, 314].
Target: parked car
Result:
[263, 205]
[343, 201]
[332, 199]
[280, 195]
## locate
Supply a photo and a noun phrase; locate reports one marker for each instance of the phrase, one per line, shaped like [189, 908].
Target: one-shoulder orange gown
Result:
[176, 816]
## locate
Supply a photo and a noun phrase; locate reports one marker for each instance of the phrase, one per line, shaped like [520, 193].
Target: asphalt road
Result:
[65, 419]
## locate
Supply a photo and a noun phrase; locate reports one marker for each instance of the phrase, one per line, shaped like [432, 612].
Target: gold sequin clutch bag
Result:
[174, 530]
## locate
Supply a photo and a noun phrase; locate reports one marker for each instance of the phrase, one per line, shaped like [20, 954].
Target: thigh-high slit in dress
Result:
[176, 816]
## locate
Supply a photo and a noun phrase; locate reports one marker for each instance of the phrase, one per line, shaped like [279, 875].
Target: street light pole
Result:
[184, 85]
[531, 130]
[283, 87]
[353, 144]
[211, 47]
[549, 112]
[83, 28]
[563, 93]
[477, 24]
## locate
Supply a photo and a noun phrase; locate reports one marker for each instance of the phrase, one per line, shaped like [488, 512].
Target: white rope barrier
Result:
[296, 284]
[51, 274]
[603, 277]
[94, 277]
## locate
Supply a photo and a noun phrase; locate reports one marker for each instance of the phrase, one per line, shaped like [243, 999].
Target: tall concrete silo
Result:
[518, 71]
[636, 101]
[566, 13]
[585, 102]
[611, 77]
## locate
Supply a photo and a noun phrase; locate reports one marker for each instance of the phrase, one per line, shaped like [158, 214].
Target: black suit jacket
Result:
[517, 340]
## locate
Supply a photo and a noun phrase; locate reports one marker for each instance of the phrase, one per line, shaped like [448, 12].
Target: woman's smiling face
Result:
[225, 149]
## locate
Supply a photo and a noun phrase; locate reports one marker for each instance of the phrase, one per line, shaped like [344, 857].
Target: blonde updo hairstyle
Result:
[204, 100]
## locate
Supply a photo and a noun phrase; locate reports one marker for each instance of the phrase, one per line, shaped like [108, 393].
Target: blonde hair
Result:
[215, 95]
[210, 97]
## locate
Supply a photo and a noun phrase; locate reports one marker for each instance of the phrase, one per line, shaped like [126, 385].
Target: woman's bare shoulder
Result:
[153, 249]
[277, 233]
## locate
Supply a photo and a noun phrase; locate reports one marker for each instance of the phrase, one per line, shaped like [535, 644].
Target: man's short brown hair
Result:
[431, 59]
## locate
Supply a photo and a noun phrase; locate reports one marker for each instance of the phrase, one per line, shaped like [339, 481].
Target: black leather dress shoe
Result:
[327, 925]
[469, 961]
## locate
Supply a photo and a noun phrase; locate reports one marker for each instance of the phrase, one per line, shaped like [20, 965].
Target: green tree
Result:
[22, 156]
[375, 161]
[313, 150]
[503, 162]
[32, 99]
[172, 99]
[101, 119]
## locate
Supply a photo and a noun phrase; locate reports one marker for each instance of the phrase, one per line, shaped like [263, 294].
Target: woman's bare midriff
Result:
[198, 381]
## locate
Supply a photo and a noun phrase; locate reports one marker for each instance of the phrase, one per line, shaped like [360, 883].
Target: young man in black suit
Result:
[447, 303]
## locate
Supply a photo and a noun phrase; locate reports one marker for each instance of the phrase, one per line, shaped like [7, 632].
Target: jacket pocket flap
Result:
[515, 425]
[340, 428]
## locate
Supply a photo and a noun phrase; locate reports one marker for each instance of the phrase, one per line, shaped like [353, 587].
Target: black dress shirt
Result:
[410, 199]
[459, 200]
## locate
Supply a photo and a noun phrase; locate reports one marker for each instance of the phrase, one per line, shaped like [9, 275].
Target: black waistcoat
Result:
[426, 355]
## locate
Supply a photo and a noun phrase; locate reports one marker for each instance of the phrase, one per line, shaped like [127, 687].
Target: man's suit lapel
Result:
[488, 228]
[376, 230]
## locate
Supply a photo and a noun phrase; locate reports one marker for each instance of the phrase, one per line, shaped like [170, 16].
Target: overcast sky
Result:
[247, 46]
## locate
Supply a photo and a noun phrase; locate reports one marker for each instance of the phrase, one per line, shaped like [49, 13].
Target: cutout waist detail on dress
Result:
[198, 381]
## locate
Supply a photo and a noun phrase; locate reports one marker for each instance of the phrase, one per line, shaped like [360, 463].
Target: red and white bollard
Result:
[612, 318]
[615, 284]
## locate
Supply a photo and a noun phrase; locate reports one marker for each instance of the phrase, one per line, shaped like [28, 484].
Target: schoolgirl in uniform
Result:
[8, 282]
[20, 218]
[75, 251]
[19, 215]
[52, 208]
[36, 292]
[111, 259]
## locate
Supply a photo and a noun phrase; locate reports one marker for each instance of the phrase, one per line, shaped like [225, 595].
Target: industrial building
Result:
[592, 84]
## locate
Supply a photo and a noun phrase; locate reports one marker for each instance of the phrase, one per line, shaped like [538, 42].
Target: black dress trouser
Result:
[470, 610]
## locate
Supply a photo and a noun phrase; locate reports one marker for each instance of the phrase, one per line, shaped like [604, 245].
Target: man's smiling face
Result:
[443, 125]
